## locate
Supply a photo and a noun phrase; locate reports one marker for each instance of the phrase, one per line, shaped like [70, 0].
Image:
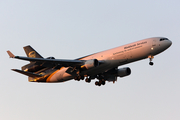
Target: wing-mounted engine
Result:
[112, 75]
[90, 64]
[122, 72]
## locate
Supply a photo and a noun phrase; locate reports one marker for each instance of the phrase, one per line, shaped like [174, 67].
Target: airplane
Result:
[102, 66]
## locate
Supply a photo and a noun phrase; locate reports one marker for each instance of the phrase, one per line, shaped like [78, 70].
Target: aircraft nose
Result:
[169, 43]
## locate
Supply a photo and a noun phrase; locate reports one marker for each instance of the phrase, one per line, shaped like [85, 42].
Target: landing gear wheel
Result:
[78, 78]
[100, 82]
[75, 78]
[103, 83]
[88, 80]
[82, 77]
[151, 63]
[96, 83]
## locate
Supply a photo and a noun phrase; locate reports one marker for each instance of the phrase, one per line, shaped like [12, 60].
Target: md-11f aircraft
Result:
[102, 66]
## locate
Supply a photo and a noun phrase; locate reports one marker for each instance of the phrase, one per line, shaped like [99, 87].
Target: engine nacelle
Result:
[90, 64]
[122, 72]
[50, 58]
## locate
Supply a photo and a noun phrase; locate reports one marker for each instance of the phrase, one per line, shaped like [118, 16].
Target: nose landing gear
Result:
[150, 58]
[151, 63]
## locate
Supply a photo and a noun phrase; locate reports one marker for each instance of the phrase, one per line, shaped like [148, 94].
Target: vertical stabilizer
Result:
[30, 52]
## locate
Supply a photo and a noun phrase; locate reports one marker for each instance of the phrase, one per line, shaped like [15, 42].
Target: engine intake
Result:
[90, 64]
[50, 58]
[122, 72]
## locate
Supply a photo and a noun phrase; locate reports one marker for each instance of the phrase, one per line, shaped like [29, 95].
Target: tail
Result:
[33, 70]
[30, 52]
[32, 66]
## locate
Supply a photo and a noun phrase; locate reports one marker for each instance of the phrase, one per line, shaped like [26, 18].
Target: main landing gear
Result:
[99, 83]
[78, 78]
[150, 58]
[89, 78]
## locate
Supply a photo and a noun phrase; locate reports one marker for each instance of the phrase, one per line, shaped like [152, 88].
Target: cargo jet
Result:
[102, 66]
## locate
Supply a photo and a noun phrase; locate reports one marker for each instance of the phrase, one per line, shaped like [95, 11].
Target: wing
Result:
[30, 74]
[50, 62]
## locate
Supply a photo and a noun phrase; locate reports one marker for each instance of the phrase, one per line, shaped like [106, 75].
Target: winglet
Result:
[10, 54]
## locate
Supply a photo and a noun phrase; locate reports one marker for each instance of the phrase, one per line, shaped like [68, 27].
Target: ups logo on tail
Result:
[32, 54]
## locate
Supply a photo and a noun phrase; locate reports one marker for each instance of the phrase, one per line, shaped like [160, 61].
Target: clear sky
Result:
[69, 29]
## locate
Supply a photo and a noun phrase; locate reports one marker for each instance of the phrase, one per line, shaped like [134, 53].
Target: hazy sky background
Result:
[69, 29]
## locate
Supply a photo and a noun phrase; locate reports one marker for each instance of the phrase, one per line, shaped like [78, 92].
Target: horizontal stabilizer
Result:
[27, 73]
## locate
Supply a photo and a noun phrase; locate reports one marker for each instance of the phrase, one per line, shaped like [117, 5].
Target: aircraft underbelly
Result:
[60, 76]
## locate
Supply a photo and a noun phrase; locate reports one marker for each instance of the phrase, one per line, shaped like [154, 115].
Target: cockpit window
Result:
[164, 39]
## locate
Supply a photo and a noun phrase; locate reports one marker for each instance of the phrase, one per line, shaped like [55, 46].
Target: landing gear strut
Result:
[150, 58]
